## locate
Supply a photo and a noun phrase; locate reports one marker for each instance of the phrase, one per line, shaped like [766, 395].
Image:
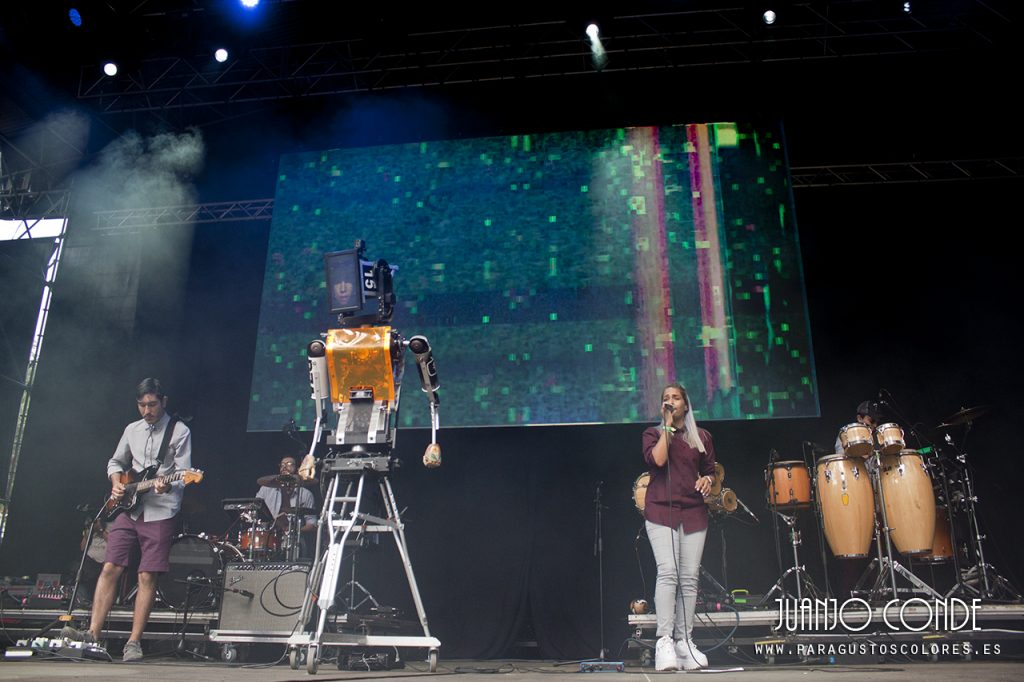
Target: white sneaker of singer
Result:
[690, 657]
[665, 655]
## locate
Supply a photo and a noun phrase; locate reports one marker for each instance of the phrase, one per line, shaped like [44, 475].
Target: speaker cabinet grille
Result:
[274, 608]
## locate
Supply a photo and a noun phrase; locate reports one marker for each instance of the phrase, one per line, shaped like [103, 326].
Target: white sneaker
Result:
[690, 657]
[665, 655]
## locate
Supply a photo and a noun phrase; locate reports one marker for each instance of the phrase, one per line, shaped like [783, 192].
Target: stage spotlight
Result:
[906, 7]
[110, 68]
[221, 55]
[597, 54]
[249, 4]
[768, 17]
[75, 17]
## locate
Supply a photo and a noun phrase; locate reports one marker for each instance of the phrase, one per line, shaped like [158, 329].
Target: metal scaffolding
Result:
[55, 205]
[907, 172]
[448, 50]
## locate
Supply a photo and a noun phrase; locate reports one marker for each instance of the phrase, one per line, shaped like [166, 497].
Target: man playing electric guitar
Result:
[148, 525]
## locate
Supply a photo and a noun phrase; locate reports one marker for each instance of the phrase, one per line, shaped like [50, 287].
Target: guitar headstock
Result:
[192, 476]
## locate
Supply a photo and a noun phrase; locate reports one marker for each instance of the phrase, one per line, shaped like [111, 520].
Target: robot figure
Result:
[355, 371]
[358, 368]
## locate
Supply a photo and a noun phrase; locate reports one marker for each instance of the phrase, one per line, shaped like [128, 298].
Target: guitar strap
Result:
[168, 432]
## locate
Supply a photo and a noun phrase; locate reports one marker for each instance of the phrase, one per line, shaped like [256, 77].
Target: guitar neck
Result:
[143, 486]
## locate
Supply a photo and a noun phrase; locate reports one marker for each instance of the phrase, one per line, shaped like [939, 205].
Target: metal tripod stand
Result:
[798, 570]
[980, 580]
[887, 566]
[342, 515]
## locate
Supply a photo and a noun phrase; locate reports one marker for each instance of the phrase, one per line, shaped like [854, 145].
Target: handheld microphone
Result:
[667, 406]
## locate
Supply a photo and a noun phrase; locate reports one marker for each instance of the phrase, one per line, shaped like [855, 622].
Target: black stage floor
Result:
[519, 670]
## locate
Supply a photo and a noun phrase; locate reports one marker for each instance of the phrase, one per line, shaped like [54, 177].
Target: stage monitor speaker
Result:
[276, 589]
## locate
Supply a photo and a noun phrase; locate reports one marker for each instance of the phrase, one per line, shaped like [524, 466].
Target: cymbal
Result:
[966, 414]
[282, 481]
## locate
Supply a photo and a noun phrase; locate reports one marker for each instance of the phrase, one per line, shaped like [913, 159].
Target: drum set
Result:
[879, 492]
[198, 562]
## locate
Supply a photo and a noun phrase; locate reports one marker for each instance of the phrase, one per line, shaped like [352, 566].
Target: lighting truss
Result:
[541, 49]
[907, 172]
[57, 208]
[130, 221]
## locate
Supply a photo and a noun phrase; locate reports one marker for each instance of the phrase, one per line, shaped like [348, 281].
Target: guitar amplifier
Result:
[275, 604]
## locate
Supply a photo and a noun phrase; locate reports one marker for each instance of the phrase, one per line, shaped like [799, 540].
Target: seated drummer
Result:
[867, 414]
[300, 498]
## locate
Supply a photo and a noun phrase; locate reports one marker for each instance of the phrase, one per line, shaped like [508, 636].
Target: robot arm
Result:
[318, 383]
[420, 348]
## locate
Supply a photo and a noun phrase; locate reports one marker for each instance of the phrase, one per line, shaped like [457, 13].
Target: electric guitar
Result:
[138, 482]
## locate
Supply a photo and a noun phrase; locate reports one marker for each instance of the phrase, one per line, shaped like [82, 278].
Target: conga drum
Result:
[856, 440]
[909, 502]
[847, 505]
[890, 439]
[942, 544]
[789, 485]
[640, 491]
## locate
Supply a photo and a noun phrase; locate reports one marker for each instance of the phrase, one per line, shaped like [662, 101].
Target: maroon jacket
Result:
[687, 465]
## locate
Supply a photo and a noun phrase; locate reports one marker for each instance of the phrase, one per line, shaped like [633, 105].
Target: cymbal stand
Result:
[887, 566]
[803, 579]
[986, 576]
[290, 533]
[253, 520]
[291, 537]
[939, 465]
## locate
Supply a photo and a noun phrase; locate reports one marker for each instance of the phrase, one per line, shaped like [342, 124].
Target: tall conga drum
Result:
[909, 502]
[942, 543]
[847, 505]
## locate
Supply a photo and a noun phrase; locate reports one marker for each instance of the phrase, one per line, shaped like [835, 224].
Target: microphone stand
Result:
[599, 553]
[66, 617]
[190, 584]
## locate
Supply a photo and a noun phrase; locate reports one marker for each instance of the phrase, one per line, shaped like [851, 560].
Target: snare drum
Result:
[789, 485]
[847, 505]
[640, 490]
[856, 440]
[909, 502]
[890, 439]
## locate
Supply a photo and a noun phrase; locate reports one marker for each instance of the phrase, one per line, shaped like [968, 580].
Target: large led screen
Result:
[560, 278]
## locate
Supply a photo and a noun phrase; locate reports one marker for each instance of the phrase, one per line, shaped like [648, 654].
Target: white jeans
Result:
[678, 557]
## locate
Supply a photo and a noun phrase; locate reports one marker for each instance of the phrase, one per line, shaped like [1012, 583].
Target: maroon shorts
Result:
[152, 538]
